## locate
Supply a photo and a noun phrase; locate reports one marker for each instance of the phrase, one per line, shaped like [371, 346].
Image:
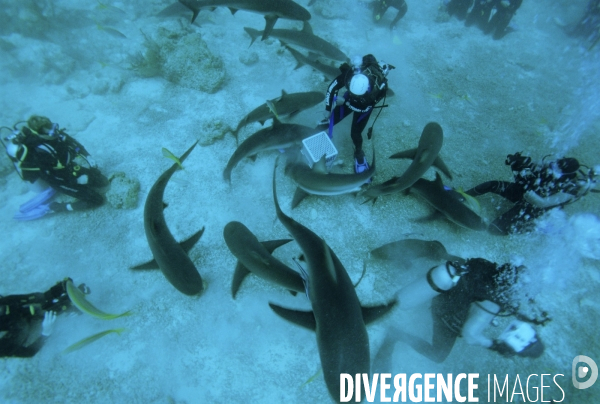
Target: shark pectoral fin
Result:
[299, 196]
[270, 19]
[362, 275]
[238, 277]
[439, 164]
[190, 242]
[293, 292]
[370, 314]
[304, 319]
[147, 265]
[406, 154]
[253, 157]
[321, 166]
[272, 245]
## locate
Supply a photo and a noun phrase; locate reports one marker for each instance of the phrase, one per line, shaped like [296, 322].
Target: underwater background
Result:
[126, 79]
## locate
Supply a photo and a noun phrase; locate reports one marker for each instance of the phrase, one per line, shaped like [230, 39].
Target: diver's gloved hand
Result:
[48, 323]
[502, 348]
[557, 199]
[33, 213]
[323, 122]
[82, 179]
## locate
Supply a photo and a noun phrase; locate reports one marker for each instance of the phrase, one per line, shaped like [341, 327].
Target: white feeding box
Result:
[314, 147]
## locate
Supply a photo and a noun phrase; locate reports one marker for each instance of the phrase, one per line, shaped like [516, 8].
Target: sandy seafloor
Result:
[535, 91]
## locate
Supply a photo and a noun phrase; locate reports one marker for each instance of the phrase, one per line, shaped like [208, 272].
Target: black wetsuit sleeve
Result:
[9, 348]
[332, 91]
[74, 145]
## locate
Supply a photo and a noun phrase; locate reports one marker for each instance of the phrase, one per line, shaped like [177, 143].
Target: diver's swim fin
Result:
[33, 213]
[37, 200]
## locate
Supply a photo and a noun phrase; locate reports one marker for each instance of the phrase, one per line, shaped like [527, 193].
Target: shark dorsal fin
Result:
[283, 94]
[276, 122]
[270, 20]
[233, 10]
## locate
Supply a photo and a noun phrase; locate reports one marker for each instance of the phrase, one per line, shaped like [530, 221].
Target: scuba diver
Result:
[381, 6]
[466, 296]
[42, 152]
[459, 8]
[536, 189]
[26, 321]
[366, 85]
[497, 25]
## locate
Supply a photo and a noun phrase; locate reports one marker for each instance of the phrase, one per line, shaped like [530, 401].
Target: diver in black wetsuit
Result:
[482, 11]
[467, 296]
[536, 189]
[381, 6]
[26, 321]
[41, 151]
[459, 8]
[366, 85]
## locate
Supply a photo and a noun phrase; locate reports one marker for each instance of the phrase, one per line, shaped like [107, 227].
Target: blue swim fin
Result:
[37, 200]
[33, 213]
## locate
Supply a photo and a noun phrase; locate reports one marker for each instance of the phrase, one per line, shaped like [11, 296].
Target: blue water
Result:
[534, 91]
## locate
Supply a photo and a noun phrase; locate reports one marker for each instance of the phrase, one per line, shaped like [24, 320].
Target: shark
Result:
[449, 202]
[423, 157]
[304, 38]
[286, 104]
[271, 9]
[337, 317]
[276, 137]
[330, 72]
[411, 248]
[255, 257]
[317, 181]
[169, 255]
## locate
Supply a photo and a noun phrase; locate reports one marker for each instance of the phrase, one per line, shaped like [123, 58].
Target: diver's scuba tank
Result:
[439, 279]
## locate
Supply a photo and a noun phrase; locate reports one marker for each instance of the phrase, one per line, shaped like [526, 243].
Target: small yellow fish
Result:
[171, 156]
[108, 7]
[78, 299]
[90, 339]
[111, 31]
[272, 108]
[438, 95]
[313, 377]
[470, 202]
